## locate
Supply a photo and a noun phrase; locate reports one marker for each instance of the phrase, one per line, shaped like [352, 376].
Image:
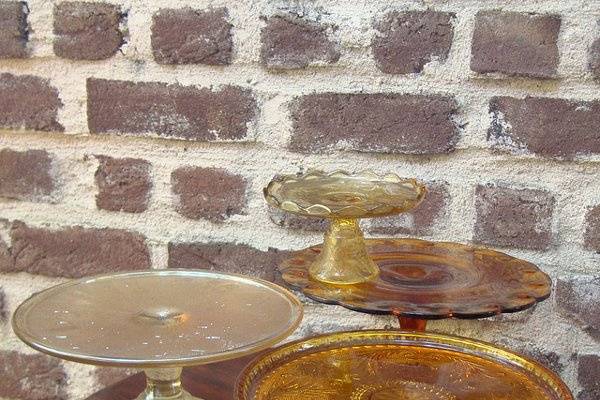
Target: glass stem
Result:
[163, 383]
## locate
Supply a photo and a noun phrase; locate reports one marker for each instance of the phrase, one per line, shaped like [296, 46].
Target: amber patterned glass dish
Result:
[158, 321]
[343, 198]
[422, 280]
[396, 365]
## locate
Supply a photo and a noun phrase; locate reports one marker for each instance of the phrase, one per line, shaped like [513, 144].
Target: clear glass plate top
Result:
[157, 318]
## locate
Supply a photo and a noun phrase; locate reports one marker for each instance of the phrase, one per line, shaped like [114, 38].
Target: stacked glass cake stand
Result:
[162, 320]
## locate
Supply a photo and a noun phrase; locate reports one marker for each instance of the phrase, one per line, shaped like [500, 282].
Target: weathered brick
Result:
[594, 58]
[406, 41]
[380, 123]
[418, 221]
[123, 184]
[3, 310]
[14, 30]
[296, 222]
[26, 175]
[210, 193]
[188, 36]
[290, 42]
[592, 229]
[87, 31]
[578, 298]
[184, 112]
[512, 217]
[227, 257]
[74, 252]
[549, 127]
[28, 102]
[109, 376]
[588, 376]
[32, 377]
[515, 44]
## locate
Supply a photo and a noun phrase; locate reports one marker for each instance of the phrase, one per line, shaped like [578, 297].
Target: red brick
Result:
[510, 217]
[406, 41]
[188, 36]
[75, 252]
[32, 377]
[555, 128]
[176, 111]
[227, 257]
[3, 310]
[290, 42]
[594, 58]
[578, 299]
[592, 229]
[297, 222]
[515, 44]
[123, 184]
[588, 376]
[380, 123]
[28, 102]
[418, 221]
[210, 193]
[86, 30]
[109, 376]
[26, 175]
[14, 30]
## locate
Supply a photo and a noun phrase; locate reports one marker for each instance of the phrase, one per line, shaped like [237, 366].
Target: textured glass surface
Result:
[395, 365]
[157, 318]
[431, 280]
[343, 197]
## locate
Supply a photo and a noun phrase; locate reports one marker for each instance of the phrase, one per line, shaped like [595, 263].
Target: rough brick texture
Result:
[418, 221]
[177, 111]
[32, 377]
[123, 184]
[555, 128]
[511, 217]
[381, 123]
[406, 41]
[290, 42]
[26, 175]
[14, 30]
[74, 252]
[87, 31]
[578, 298]
[515, 44]
[109, 376]
[188, 36]
[6, 261]
[226, 257]
[28, 102]
[594, 58]
[588, 375]
[3, 310]
[592, 229]
[210, 193]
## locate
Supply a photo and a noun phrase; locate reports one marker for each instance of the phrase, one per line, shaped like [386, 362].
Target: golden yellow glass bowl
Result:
[396, 365]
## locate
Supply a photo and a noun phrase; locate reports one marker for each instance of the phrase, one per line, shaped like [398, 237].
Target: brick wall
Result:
[138, 134]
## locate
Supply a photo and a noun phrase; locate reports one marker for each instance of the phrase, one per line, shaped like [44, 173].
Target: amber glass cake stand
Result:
[158, 321]
[343, 198]
[395, 365]
[421, 280]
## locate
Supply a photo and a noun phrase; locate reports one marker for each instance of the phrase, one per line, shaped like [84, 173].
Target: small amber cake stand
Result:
[421, 280]
[395, 365]
[343, 198]
[158, 321]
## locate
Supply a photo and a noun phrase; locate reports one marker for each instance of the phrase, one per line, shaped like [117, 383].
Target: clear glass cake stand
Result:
[158, 321]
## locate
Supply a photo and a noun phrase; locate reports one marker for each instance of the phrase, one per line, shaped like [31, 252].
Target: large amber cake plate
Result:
[159, 321]
[343, 198]
[396, 365]
[421, 280]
